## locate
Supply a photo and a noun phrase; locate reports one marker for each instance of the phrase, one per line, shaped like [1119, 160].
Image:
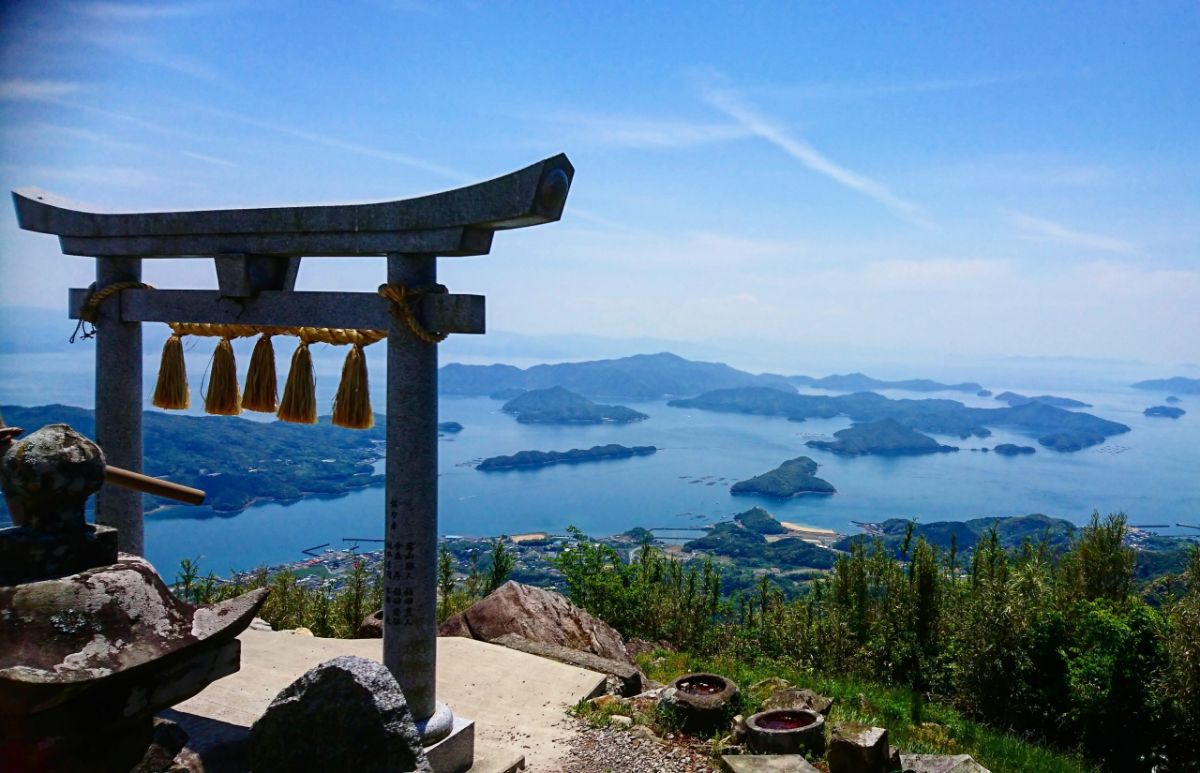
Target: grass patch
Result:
[942, 729]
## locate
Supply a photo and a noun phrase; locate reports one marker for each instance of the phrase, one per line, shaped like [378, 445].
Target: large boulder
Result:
[345, 714]
[537, 615]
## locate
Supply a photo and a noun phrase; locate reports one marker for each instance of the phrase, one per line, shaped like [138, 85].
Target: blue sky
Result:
[958, 179]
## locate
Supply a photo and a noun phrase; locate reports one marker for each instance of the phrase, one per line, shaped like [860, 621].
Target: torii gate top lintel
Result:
[449, 223]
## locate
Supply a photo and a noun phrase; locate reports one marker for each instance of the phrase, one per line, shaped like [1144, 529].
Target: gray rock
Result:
[371, 626]
[47, 477]
[538, 615]
[624, 680]
[345, 714]
[855, 748]
[798, 699]
[941, 763]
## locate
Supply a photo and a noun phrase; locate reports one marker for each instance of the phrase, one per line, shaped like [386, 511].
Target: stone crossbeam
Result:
[444, 313]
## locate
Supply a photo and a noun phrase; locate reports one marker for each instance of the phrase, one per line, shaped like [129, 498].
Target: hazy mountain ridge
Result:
[859, 382]
[1179, 384]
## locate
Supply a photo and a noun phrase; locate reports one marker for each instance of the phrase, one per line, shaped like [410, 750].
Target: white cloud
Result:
[133, 12]
[22, 89]
[1040, 229]
[208, 159]
[649, 133]
[346, 145]
[731, 104]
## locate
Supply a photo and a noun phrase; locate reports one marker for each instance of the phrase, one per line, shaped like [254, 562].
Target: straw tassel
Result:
[222, 397]
[352, 406]
[262, 391]
[299, 404]
[171, 391]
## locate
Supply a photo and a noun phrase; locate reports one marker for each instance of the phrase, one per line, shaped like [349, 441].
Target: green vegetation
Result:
[528, 459]
[792, 478]
[942, 729]
[760, 521]
[236, 461]
[560, 406]
[886, 437]
[751, 549]
[1034, 643]
[894, 533]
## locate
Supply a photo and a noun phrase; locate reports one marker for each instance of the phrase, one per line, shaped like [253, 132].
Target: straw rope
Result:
[401, 296]
[89, 312]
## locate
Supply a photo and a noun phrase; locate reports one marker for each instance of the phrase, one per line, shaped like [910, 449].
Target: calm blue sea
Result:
[1152, 473]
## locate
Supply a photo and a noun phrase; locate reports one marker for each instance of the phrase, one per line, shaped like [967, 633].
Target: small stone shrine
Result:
[92, 643]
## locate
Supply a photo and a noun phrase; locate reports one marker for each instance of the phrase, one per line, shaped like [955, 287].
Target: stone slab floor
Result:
[518, 701]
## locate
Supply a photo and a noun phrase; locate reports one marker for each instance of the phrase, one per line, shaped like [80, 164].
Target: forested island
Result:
[886, 437]
[792, 478]
[531, 459]
[1014, 399]
[743, 541]
[858, 382]
[1175, 384]
[1011, 449]
[1165, 411]
[235, 461]
[557, 405]
[1055, 428]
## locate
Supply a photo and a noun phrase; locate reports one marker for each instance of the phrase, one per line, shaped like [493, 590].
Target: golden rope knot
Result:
[402, 296]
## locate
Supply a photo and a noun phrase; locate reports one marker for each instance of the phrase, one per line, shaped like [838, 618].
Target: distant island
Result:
[1009, 449]
[1165, 411]
[1173, 399]
[1054, 427]
[984, 393]
[1176, 384]
[858, 382]
[1014, 399]
[792, 478]
[450, 427]
[531, 459]
[886, 437]
[236, 461]
[557, 405]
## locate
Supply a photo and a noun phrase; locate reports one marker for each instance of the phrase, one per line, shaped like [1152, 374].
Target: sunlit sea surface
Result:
[1152, 473]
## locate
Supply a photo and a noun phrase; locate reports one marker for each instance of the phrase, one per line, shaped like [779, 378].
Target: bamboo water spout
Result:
[122, 477]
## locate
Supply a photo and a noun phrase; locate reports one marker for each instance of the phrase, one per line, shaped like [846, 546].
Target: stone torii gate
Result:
[257, 254]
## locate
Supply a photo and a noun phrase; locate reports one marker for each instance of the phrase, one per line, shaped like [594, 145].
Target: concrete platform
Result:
[516, 700]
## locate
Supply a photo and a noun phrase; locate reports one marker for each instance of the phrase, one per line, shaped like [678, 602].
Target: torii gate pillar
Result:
[257, 253]
[410, 532]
